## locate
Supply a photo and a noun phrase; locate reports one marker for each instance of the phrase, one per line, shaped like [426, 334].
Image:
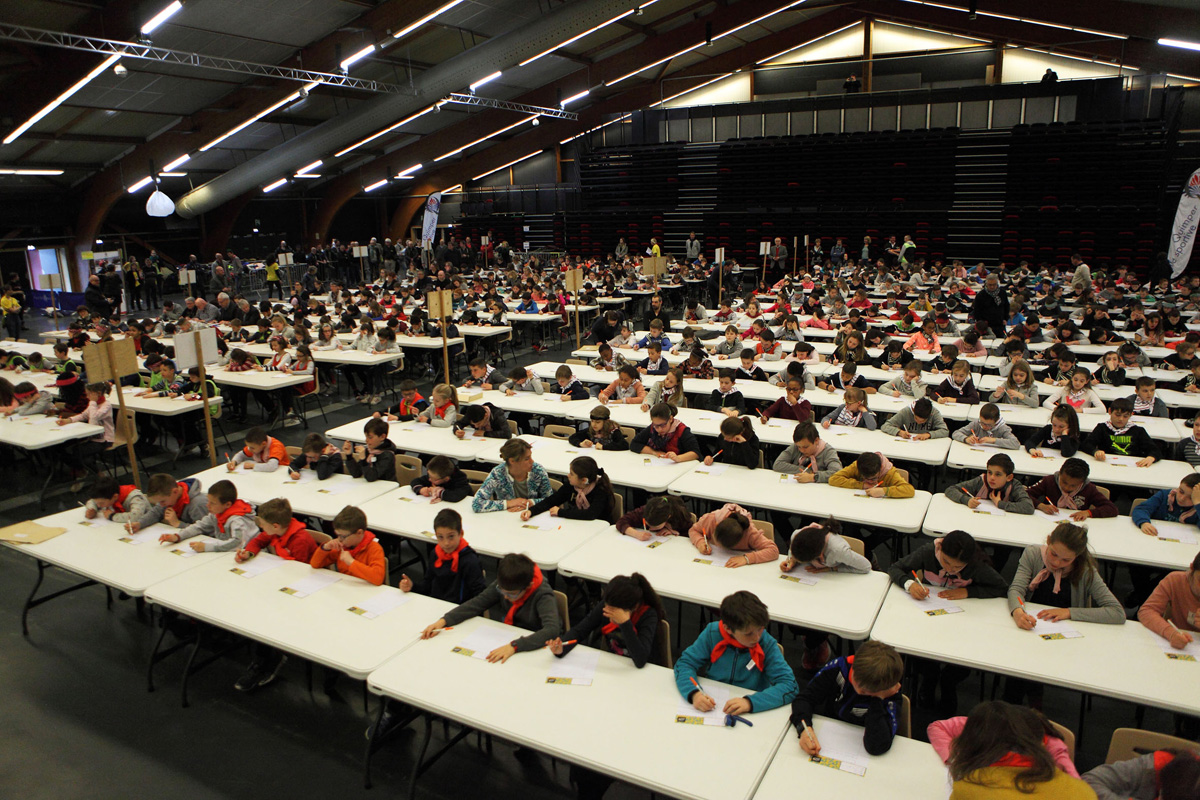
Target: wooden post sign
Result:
[573, 281]
[440, 305]
[193, 350]
[654, 266]
[764, 249]
[111, 361]
[719, 255]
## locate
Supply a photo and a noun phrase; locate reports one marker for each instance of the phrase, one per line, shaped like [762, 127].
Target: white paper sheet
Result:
[713, 471]
[317, 580]
[717, 557]
[687, 714]
[841, 747]
[1059, 516]
[542, 522]
[935, 606]
[1122, 461]
[379, 604]
[802, 576]
[576, 668]
[306, 476]
[1050, 631]
[655, 461]
[407, 495]
[334, 489]
[1189, 653]
[482, 641]
[184, 549]
[263, 562]
[988, 507]
[1175, 533]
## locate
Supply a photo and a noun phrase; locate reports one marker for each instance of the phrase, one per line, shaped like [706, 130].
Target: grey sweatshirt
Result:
[1018, 501]
[538, 614]
[1134, 779]
[137, 509]
[903, 420]
[913, 389]
[238, 531]
[867, 421]
[1005, 438]
[1091, 600]
[532, 384]
[839, 556]
[828, 462]
[194, 511]
[40, 405]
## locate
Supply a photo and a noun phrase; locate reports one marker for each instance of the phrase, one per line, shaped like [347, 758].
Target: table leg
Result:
[30, 602]
[417, 767]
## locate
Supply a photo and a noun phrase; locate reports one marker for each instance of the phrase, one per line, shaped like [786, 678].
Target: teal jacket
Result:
[773, 687]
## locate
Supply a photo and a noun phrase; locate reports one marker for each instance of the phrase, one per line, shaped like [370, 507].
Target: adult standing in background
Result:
[852, 85]
[236, 270]
[374, 258]
[97, 302]
[991, 306]
[621, 251]
[1081, 279]
[865, 256]
[151, 281]
[113, 286]
[655, 250]
[779, 256]
[133, 283]
[1049, 76]
[837, 253]
[692, 248]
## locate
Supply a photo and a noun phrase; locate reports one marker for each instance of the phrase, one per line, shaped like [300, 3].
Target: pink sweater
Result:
[98, 415]
[763, 548]
[1172, 599]
[943, 732]
[636, 387]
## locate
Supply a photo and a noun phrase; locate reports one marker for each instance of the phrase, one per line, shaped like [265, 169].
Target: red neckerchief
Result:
[122, 494]
[239, 508]
[294, 527]
[443, 557]
[362, 546]
[1161, 759]
[637, 615]
[520, 601]
[756, 652]
[184, 500]
[441, 410]
[1013, 760]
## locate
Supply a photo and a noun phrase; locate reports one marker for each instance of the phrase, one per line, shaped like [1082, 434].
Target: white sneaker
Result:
[376, 398]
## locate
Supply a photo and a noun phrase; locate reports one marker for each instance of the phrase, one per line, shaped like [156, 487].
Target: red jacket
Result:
[294, 545]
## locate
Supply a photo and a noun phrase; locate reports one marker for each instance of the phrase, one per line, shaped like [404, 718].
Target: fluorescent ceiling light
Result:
[176, 163]
[759, 19]
[576, 38]
[656, 63]
[375, 185]
[172, 174]
[31, 172]
[505, 129]
[484, 80]
[310, 167]
[62, 98]
[144, 182]
[385, 131]
[161, 17]
[810, 41]
[306, 176]
[575, 97]
[689, 91]
[359, 56]
[289, 99]
[1026, 20]
[1183, 77]
[509, 164]
[430, 16]
[272, 187]
[408, 173]
[1179, 43]
[598, 127]
[456, 188]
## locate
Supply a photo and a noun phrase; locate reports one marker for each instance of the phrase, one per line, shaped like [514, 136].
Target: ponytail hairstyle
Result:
[730, 530]
[742, 426]
[994, 729]
[854, 394]
[809, 542]
[630, 591]
[447, 391]
[1075, 539]
[585, 467]
[669, 509]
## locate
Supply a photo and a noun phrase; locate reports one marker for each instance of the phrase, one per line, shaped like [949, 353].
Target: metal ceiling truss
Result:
[109, 47]
[487, 102]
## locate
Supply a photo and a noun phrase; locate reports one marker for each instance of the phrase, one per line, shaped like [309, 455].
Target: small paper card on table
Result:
[379, 604]
[1059, 516]
[141, 537]
[482, 641]
[713, 471]
[656, 461]
[688, 715]
[576, 668]
[184, 549]
[801, 575]
[314, 582]
[841, 748]
[1122, 461]
[651, 543]
[306, 476]
[935, 606]
[717, 557]
[1189, 653]
[334, 489]
[263, 562]
[988, 507]
[97, 522]
[407, 495]
[1050, 631]
[542, 522]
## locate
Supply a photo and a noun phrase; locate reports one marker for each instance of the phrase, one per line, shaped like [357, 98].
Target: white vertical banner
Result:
[429, 229]
[1183, 232]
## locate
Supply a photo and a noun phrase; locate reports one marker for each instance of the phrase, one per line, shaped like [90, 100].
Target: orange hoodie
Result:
[368, 561]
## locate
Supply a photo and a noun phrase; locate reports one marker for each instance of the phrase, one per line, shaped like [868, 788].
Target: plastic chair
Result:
[560, 600]
[320, 537]
[512, 426]
[124, 431]
[1126, 742]
[292, 450]
[618, 505]
[856, 545]
[302, 400]
[904, 719]
[555, 484]
[1067, 735]
[558, 431]
[579, 361]
[768, 528]
[407, 468]
[661, 654]
[627, 432]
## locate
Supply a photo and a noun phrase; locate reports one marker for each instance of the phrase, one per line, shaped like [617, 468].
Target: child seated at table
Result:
[1118, 437]
[731, 527]
[625, 388]
[229, 520]
[726, 398]
[846, 377]
[687, 342]
[354, 549]
[286, 535]
[1062, 433]
[738, 444]
[919, 421]
[958, 387]
[174, 503]
[117, 503]
[262, 453]
[456, 574]
[1078, 393]
[1145, 403]
[654, 336]
[520, 597]
[98, 411]
[1003, 750]
[653, 363]
[809, 459]
[852, 412]
[515, 484]
[862, 689]
[482, 419]
[819, 547]
[600, 432]
[1132, 356]
[666, 437]
[442, 481]
[996, 484]
[728, 347]
[442, 410]
[624, 339]
[521, 379]
[1069, 490]
[946, 358]
[410, 405]
[737, 650]
[747, 369]
[662, 515]
[875, 475]
[907, 384]
[1018, 388]
[794, 369]
[1173, 609]
[987, 429]
[791, 406]
[30, 401]
[168, 383]
[375, 460]
[587, 494]
[319, 456]
[1167, 774]
[483, 376]
[942, 734]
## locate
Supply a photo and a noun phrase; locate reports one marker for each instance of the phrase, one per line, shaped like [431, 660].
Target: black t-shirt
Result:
[1044, 593]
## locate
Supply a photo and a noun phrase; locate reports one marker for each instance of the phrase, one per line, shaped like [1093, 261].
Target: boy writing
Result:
[353, 549]
[262, 453]
[862, 689]
[229, 520]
